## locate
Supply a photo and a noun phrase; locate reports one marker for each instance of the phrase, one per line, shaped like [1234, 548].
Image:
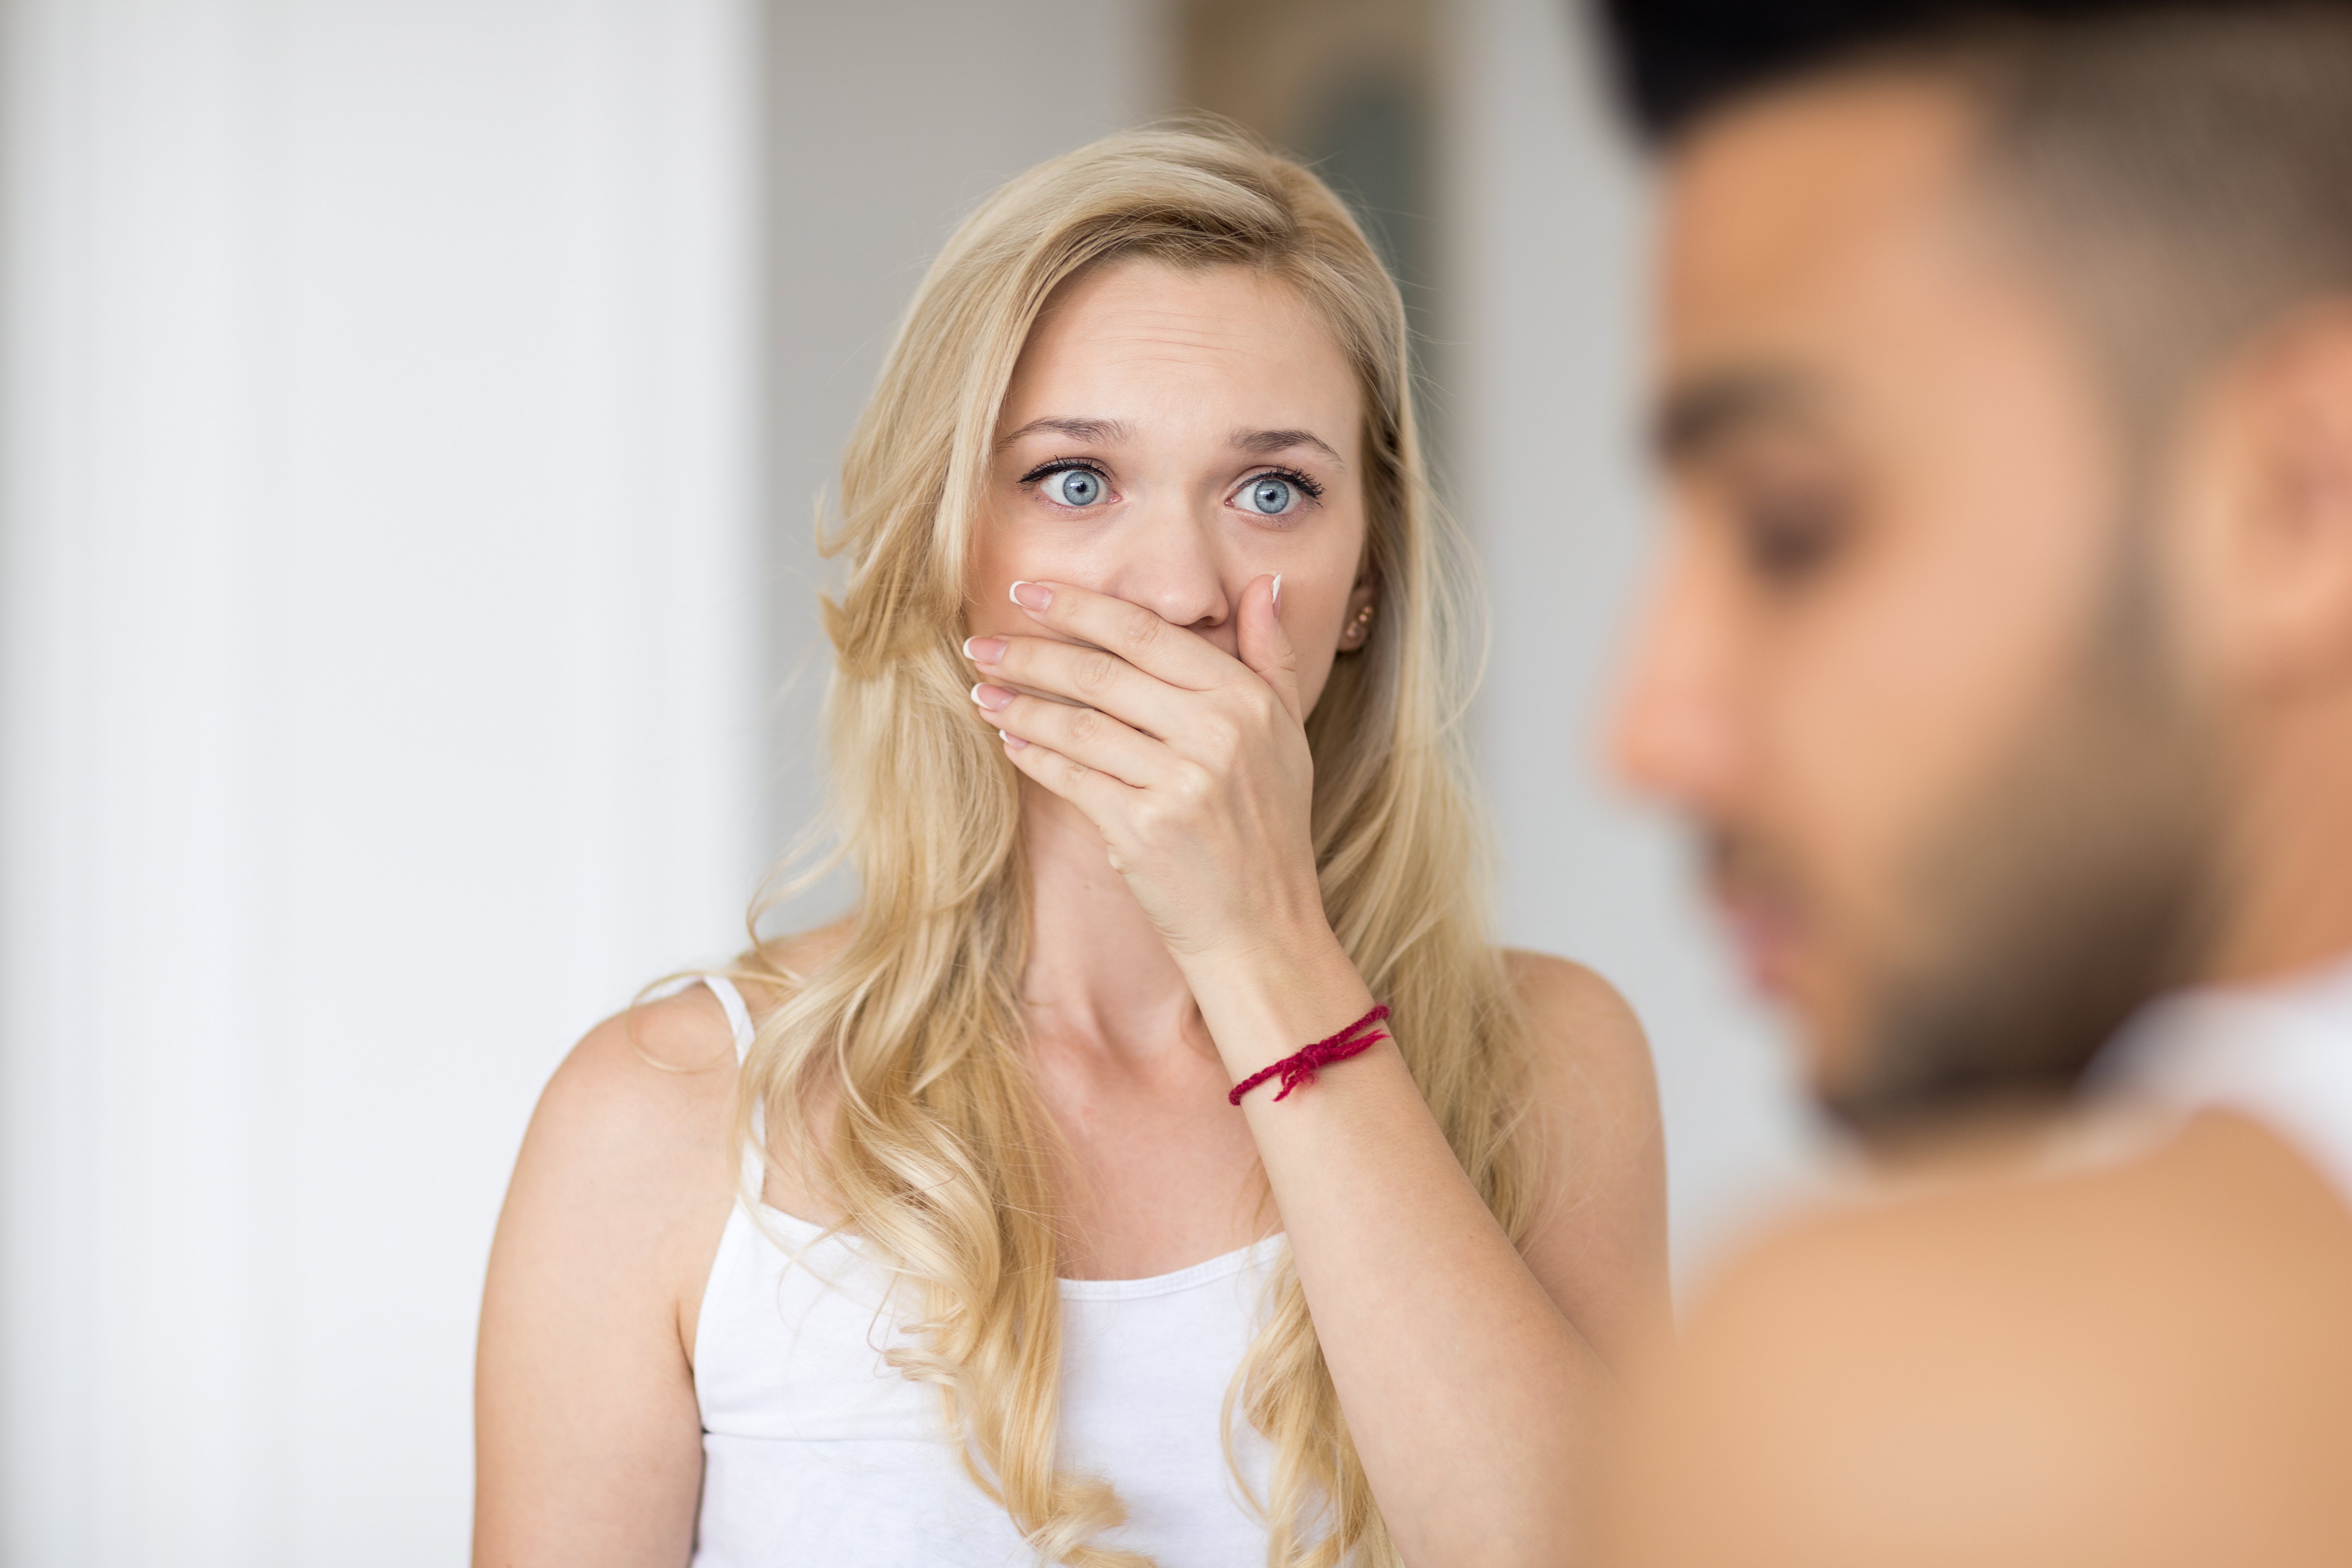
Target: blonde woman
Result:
[1144, 736]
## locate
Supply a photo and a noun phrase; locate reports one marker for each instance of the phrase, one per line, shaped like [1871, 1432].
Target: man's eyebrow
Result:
[1710, 409]
[1096, 432]
[1266, 442]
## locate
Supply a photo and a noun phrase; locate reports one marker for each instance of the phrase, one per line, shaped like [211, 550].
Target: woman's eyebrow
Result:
[1266, 442]
[1099, 432]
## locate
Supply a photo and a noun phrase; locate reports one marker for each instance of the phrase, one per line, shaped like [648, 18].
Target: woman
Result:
[1143, 745]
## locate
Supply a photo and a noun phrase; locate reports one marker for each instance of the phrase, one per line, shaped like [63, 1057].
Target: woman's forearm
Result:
[1470, 1398]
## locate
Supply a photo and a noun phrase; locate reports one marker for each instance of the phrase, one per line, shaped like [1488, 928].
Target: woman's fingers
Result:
[1264, 642]
[1163, 651]
[1082, 674]
[1104, 799]
[1084, 735]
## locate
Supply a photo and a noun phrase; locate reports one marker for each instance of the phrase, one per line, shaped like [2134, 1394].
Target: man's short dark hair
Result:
[2185, 168]
[1677, 59]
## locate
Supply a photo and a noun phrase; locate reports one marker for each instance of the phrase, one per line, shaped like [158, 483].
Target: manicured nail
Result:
[1277, 592]
[1012, 743]
[990, 697]
[1037, 597]
[983, 650]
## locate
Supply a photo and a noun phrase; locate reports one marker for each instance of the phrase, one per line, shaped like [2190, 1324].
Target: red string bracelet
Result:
[1299, 1069]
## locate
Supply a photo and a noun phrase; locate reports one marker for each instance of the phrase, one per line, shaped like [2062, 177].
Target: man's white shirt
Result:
[2279, 1054]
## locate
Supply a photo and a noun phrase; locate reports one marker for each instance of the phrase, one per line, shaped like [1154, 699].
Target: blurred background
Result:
[412, 418]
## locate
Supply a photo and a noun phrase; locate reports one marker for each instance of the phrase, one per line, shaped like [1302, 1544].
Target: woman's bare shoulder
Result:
[655, 1082]
[641, 1103]
[1600, 1246]
[1581, 1025]
[779, 964]
[619, 1199]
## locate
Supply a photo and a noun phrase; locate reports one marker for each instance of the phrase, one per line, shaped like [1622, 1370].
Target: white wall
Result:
[1547, 302]
[381, 707]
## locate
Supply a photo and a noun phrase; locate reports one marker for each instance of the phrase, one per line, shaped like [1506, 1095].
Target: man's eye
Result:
[1072, 487]
[1788, 540]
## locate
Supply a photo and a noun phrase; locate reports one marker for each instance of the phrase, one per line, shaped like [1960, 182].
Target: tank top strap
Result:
[739, 1019]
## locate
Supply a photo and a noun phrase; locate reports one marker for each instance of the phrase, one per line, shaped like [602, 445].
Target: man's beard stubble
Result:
[2076, 884]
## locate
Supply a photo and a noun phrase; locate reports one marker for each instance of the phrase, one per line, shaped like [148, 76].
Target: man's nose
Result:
[1173, 568]
[1676, 733]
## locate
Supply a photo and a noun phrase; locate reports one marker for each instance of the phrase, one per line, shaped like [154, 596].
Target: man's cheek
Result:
[1848, 871]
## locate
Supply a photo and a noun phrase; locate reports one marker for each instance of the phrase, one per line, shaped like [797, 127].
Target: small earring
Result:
[1361, 624]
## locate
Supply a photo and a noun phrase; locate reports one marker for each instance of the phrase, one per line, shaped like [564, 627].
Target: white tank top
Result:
[817, 1452]
[2281, 1054]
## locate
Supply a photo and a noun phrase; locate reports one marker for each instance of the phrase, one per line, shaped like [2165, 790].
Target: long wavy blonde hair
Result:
[932, 1141]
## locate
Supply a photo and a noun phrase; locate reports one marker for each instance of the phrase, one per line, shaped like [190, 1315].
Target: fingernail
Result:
[990, 697]
[1012, 743]
[1037, 597]
[1277, 592]
[983, 650]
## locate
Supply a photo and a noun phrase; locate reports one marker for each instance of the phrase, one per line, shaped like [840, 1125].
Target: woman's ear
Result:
[1363, 608]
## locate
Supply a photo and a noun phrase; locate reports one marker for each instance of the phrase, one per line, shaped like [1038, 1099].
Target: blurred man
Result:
[2004, 650]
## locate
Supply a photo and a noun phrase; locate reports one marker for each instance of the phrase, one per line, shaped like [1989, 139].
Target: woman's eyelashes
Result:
[1072, 484]
[1276, 492]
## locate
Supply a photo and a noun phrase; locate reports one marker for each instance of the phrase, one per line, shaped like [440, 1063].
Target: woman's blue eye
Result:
[1073, 487]
[1267, 496]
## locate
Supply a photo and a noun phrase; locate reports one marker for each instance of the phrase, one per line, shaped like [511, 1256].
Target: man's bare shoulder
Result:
[2143, 1363]
[2031, 1258]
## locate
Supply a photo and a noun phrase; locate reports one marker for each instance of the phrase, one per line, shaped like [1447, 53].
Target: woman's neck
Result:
[1098, 973]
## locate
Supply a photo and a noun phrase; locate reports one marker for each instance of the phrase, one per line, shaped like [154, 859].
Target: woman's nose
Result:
[1172, 567]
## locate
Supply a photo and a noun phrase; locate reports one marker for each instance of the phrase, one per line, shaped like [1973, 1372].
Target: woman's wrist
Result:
[1265, 1000]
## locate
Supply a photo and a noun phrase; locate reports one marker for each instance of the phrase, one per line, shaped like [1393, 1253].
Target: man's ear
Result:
[2270, 552]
